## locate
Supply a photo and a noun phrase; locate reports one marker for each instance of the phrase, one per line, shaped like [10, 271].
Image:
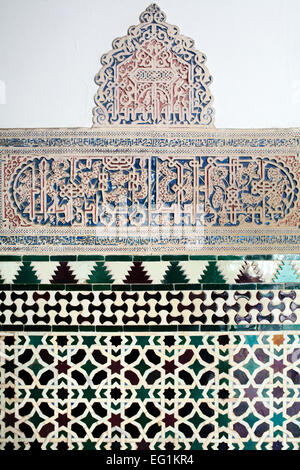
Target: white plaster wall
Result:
[50, 51]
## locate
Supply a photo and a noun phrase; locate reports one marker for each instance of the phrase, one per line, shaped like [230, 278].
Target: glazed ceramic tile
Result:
[150, 268]
[98, 307]
[165, 392]
[156, 270]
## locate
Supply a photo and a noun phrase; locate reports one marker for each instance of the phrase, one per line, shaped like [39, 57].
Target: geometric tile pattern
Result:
[148, 308]
[148, 391]
[142, 302]
[149, 271]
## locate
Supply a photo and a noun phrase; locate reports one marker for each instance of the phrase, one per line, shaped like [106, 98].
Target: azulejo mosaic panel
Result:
[127, 270]
[181, 366]
[195, 309]
[150, 268]
[156, 291]
[148, 391]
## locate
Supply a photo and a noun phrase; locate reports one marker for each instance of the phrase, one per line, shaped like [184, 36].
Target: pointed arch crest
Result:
[153, 76]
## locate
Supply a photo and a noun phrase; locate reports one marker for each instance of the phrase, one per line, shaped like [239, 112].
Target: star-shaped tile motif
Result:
[250, 392]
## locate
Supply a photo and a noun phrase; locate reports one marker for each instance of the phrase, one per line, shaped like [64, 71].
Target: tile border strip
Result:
[146, 328]
[149, 287]
[157, 258]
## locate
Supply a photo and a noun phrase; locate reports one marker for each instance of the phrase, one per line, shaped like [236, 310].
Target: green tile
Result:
[25, 286]
[51, 287]
[230, 257]
[188, 328]
[63, 258]
[6, 287]
[163, 286]
[90, 258]
[79, 287]
[101, 286]
[203, 257]
[35, 258]
[290, 327]
[118, 258]
[10, 258]
[269, 327]
[109, 329]
[259, 257]
[270, 286]
[212, 274]
[175, 257]
[251, 286]
[175, 274]
[215, 286]
[188, 286]
[11, 327]
[242, 327]
[213, 328]
[163, 328]
[150, 287]
[160, 287]
[120, 286]
[37, 328]
[143, 287]
[100, 274]
[87, 328]
[146, 258]
[136, 328]
[64, 328]
[26, 274]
